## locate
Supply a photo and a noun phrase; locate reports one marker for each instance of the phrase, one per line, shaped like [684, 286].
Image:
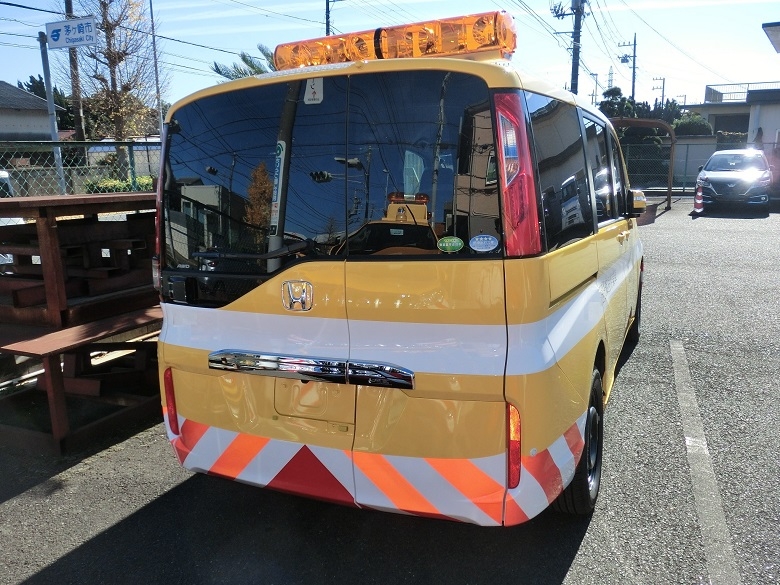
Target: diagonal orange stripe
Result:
[574, 440]
[544, 470]
[391, 483]
[238, 454]
[191, 432]
[481, 489]
[514, 513]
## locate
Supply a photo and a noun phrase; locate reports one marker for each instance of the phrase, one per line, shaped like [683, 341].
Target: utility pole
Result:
[662, 88]
[157, 79]
[75, 83]
[624, 59]
[328, 30]
[595, 77]
[578, 11]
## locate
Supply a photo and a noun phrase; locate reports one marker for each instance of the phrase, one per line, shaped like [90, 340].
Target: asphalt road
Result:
[690, 493]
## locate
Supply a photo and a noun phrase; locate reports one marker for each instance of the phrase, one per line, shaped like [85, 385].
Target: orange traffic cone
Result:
[698, 201]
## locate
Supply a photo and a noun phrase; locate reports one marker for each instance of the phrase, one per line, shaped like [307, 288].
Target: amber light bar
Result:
[490, 31]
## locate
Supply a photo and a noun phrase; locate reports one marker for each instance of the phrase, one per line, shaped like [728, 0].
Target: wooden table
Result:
[65, 225]
[74, 302]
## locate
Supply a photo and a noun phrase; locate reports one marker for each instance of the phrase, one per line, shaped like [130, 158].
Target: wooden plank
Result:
[62, 205]
[133, 278]
[24, 317]
[55, 391]
[20, 249]
[36, 295]
[98, 272]
[53, 275]
[124, 244]
[60, 341]
[10, 283]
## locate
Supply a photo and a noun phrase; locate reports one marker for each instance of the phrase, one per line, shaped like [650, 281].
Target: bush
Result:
[117, 186]
[692, 125]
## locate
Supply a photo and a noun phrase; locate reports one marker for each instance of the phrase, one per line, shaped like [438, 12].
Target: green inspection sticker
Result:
[450, 244]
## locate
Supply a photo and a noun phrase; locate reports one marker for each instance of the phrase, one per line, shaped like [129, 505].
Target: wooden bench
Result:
[73, 345]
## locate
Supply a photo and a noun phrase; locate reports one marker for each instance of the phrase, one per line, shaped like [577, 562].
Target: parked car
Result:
[741, 176]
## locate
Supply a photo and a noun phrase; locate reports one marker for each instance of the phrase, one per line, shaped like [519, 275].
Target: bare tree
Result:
[118, 72]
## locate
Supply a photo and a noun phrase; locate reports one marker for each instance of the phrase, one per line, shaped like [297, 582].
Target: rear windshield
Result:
[322, 167]
[736, 162]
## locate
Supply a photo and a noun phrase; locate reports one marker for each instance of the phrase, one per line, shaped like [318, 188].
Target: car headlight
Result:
[764, 179]
[703, 181]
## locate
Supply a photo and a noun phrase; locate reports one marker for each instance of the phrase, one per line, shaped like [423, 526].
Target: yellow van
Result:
[389, 280]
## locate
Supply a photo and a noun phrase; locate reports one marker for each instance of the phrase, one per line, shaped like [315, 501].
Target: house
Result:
[746, 108]
[23, 116]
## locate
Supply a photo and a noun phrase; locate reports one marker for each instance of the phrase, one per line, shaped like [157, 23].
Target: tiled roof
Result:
[13, 98]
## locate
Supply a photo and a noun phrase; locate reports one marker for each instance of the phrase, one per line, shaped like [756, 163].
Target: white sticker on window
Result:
[313, 93]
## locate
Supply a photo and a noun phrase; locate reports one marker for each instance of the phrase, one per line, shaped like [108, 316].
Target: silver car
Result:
[740, 176]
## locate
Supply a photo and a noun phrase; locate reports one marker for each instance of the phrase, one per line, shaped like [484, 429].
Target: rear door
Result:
[258, 343]
[433, 320]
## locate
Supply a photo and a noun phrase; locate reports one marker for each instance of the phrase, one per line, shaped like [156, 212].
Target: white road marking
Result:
[719, 553]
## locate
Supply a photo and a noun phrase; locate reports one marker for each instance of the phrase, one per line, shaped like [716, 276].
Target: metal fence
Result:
[648, 164]
[30, 169]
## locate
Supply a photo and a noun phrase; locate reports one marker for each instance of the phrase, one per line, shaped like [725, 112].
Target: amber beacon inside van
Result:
[396, 274]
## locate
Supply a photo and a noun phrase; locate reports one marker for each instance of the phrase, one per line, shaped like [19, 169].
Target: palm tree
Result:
[249, 65]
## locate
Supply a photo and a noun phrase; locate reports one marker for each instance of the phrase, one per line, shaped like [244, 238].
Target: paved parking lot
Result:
[690, 493]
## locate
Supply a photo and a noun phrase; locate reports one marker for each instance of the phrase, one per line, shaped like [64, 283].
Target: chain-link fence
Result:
[648, 164]
[31, 168]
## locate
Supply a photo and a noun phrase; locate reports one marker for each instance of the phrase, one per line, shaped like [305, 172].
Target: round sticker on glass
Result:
[483, 243]
[450, 244]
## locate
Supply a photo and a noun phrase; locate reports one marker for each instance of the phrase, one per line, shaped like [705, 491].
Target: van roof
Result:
[498, 73]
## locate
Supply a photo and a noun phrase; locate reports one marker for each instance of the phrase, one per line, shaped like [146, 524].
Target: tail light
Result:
[521, 214]
[513, 446]
[170, 402]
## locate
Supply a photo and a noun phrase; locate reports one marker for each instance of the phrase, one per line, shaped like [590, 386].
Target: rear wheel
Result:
[580, 495]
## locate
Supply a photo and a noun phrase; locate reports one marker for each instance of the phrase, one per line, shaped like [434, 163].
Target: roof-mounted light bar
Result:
[490, 31]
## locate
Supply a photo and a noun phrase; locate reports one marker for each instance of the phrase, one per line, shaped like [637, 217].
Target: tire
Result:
[580, 496]
[633, 332]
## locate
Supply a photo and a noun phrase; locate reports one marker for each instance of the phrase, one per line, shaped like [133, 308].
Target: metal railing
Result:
[33, 168]
[735, 92]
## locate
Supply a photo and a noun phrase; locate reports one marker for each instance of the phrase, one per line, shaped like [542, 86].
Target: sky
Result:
[682, 46]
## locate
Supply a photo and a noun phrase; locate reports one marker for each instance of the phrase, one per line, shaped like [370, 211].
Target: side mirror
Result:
[637, 202]
[701, 167]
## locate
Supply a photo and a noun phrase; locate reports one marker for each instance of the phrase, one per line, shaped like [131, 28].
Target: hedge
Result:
[116, 186]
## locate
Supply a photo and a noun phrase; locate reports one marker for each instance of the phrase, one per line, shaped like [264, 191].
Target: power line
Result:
[673, 45]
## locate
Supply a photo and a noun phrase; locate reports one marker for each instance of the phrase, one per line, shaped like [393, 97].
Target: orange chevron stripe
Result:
[514, 514]
[192, 431]
[481, 489]
[546, 472]
[391, 483]
[238, 454]
[574, 440]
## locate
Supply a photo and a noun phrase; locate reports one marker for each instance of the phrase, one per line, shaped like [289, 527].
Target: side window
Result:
[563, 179]
[601, 169]
[618, 174]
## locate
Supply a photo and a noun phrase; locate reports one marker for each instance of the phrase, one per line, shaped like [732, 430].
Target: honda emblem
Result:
[297, 295]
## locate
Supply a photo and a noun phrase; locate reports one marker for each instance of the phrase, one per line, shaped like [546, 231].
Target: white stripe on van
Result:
[420, 347]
